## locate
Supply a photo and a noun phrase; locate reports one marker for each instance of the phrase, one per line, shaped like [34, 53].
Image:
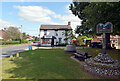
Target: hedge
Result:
[62, 44]
[9, 42]
[24, 41]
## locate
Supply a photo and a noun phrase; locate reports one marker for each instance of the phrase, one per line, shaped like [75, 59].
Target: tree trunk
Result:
[108, 46]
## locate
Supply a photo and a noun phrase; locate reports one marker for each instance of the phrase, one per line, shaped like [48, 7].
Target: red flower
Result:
[74, 41]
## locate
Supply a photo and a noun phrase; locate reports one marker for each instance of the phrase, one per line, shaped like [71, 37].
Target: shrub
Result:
[24, 41]
[81, 40]
[9, 42]
[117, 44]
[62, 44]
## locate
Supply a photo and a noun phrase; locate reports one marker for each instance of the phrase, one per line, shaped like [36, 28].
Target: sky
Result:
[32, 14]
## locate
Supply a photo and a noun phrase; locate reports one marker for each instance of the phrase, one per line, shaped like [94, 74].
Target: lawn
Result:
[43, 64]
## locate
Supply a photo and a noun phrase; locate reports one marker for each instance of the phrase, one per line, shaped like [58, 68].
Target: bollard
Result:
[11, 58]
[17, 55]
[30, 47]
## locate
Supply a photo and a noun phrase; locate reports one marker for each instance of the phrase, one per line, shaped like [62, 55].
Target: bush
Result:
[81, 40]
[117, 44]
[9, 42]
[62, 44]
[24, 41]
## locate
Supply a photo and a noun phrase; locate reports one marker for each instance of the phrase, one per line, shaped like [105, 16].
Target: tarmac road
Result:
[7, 51]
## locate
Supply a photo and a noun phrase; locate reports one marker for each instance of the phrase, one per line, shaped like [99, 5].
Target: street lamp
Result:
[21, 34]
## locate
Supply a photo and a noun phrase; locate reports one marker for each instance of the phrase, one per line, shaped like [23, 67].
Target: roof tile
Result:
[55, 27]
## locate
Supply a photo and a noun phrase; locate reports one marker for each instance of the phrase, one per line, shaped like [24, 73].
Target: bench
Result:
[81, 55]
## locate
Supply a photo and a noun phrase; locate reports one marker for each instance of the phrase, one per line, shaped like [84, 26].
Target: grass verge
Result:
[13, 45]
[43, 64]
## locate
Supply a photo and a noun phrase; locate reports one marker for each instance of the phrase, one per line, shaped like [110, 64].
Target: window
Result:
[45, 32]
[66, 41]
[56, 33]
[60, 40]
[66, 32]
[46, 41]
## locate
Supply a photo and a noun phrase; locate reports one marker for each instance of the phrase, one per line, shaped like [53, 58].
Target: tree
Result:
[68, 35]
[12, 33]
[81, 39]
[81, 30]
[96, 12]
[36, 38]
[24, 36]
[77, 8]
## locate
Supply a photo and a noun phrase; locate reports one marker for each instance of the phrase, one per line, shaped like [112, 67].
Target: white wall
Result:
[53, 33]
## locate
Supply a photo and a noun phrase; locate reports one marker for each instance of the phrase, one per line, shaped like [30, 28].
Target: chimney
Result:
[4, 28]
[69, 23]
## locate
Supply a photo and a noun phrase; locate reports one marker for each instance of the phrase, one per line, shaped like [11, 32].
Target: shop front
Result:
[48, 41]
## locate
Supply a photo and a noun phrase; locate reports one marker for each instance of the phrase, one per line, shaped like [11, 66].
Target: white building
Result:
[53, 34]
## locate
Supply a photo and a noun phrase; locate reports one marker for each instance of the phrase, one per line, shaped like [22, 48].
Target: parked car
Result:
[34, 42]
[96, 45]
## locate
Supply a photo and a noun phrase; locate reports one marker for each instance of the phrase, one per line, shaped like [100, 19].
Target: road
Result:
[6, 51]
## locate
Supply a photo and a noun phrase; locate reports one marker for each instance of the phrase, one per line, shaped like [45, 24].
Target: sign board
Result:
[47, 36]
[105, 28]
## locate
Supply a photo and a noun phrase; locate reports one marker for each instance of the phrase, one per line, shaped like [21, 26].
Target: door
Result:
[52, 43]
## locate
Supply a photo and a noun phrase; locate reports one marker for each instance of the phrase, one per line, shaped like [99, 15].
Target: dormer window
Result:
[45, 32]
[56, 32]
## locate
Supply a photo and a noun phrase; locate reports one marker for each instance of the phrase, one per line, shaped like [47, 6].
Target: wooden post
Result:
[17, 55]
[11, 58]
[104, 44]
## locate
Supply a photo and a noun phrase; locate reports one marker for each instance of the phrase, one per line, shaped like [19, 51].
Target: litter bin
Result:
[30, 47]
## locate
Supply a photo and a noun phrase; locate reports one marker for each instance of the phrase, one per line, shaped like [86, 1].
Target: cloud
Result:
[43, 15]
[35, 14]
[4, 23]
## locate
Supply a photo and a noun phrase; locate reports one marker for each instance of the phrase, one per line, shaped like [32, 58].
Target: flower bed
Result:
[103, 65]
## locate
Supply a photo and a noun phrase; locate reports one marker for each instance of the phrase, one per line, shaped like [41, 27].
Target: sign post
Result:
[103, 64]
[104, 28]
[104, 44]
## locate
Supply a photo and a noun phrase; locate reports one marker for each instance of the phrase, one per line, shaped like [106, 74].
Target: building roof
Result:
[43, 27]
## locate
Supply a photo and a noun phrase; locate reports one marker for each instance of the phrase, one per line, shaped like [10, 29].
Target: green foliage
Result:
[12, 42]
[69, 35]
[36, 38]
[118, 45]
[81, 38]
[24, 36]
[62, 44]
[12, 33]
[24, 41]
[93, 13]
[9, 42]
